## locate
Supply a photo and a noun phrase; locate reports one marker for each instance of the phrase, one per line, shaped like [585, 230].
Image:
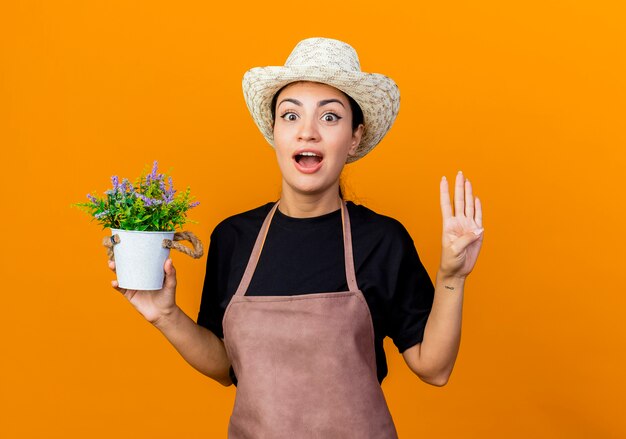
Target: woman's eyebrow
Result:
[328, 101]
[295, 101]
[319, 104]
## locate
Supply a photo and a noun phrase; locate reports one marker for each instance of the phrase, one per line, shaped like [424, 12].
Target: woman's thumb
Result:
[464, 240]
[170, 274]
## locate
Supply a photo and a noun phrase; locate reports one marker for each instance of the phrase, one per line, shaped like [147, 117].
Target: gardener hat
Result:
[330, 62]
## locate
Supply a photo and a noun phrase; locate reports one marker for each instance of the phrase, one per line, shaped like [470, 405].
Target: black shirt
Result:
[306, 255]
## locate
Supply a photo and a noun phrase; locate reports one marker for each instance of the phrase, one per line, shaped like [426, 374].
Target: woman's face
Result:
[313, 136]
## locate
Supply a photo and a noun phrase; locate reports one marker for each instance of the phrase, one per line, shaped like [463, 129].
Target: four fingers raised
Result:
[464, 202]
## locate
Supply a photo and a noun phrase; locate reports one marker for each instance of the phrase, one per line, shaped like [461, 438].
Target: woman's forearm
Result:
[442, 335]
[433, 359]
[200, 347]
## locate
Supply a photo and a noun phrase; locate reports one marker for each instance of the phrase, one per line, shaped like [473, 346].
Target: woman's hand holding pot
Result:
[153, 305]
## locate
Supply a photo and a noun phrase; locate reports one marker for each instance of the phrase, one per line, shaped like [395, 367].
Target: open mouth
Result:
[308, 159]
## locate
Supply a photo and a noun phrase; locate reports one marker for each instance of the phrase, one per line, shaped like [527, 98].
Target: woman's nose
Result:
[308, 130]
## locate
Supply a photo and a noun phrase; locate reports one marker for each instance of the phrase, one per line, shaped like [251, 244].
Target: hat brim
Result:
[377, 95]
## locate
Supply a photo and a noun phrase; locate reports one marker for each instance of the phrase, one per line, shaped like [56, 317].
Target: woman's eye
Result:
[289, 116]
[331, 117]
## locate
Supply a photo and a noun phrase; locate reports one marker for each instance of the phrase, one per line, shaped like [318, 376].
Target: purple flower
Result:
[194, 204]
[116, 181]
[101, 214]
[168, 198]
[148, 201]
[93, 199]
[154, 170]
[168, 194]
[124, 185]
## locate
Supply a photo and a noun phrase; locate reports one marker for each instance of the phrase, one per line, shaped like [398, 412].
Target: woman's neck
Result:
[300, 205]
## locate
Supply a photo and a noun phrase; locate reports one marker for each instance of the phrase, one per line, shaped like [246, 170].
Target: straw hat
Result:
[330, 62]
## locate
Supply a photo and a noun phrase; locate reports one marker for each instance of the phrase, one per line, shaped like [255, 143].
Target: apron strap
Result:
[347, 248]
[256, 252]
[260, 241]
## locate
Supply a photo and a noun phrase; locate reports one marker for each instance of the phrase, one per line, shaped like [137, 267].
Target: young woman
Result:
[300, 293]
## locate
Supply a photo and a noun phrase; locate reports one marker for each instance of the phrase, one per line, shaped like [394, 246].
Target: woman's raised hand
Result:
[462, 231]
[153, 304]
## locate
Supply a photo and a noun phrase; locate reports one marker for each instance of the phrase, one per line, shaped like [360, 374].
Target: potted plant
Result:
[143, 217]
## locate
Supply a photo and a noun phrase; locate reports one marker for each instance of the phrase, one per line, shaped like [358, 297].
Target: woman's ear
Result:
[356, 139]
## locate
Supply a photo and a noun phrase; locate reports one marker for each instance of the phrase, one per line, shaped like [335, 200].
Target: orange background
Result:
[527, 98]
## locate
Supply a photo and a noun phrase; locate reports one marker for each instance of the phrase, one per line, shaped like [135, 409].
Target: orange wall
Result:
[527, 98]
